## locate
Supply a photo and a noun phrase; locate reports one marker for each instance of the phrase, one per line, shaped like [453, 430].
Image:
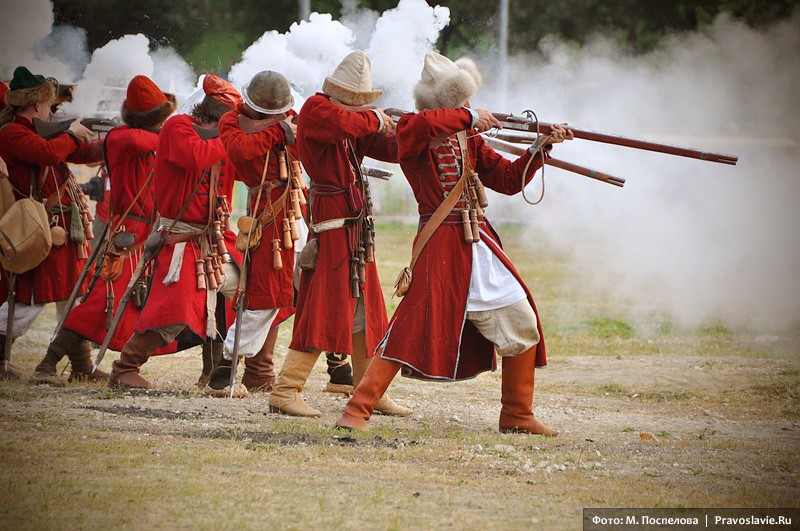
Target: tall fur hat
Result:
[145, 105]
[28, 89]
[351, 81]
[446, 84]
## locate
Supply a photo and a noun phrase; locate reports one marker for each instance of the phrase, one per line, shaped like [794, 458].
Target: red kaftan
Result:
[267, 287]
[27, 154]
[182, 160]
[130, 154]
[429, 332]
[325, 307]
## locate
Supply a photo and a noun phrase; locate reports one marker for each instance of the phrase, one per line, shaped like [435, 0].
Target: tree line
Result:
[212, 34]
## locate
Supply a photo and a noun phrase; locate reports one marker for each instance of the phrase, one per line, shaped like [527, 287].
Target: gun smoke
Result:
[685, 240]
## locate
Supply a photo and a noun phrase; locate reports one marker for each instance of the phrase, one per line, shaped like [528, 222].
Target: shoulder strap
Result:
[447, 205]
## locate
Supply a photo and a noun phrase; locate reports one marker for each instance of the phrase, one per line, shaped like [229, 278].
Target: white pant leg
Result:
[253, 333]
[24, 316]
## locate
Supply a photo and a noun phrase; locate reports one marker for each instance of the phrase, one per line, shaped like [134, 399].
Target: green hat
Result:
[24, 79]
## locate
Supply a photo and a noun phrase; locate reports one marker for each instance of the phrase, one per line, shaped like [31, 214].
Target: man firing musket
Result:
[340, 306]
[461, 275]
[38, 168]
[130, 156]
[196, 262]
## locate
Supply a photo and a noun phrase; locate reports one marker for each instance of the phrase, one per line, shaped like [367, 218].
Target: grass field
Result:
[717, 407]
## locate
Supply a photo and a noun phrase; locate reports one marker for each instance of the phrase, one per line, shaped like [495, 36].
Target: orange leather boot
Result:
[516, 415]
[369, 391]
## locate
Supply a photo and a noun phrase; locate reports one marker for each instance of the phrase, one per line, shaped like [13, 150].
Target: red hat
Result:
[144, 95]
[222, 91]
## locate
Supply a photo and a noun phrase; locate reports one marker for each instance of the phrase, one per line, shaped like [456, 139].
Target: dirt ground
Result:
[719, 431]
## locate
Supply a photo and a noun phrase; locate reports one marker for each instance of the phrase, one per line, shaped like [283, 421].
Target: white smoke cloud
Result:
[102, 86]
[692, 240]
[27, 37]
[398, 41]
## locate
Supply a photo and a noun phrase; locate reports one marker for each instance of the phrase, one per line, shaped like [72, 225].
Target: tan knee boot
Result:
[370, 390]
[285, 397]
[516, 415]
[138, 349]
[385, 405]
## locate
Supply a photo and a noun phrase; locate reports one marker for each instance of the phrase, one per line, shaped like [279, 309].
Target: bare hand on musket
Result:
[486, 121]
[290, 121]
[81, 132]
[558, 133]
[3, 169]
[388, 124]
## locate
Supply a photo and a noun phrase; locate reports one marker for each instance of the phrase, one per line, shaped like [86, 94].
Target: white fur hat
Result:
[445, 83]
[351, 81]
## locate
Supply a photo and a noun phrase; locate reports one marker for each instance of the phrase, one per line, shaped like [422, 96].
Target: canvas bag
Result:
[25, 239]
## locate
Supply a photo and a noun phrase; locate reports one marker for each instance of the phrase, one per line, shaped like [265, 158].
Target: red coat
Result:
[182, 158]
[267, 287]
[130, 154]
[429, 332]
[26, 154]
[325, 306]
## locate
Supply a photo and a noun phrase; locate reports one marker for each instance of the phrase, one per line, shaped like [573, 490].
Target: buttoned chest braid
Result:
[452, 155]
[467, 191]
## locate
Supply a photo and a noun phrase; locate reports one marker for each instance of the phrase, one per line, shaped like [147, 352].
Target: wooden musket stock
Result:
[49, 130]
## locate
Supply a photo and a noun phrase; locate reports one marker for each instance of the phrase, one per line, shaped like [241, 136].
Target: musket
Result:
[376, 173]
[508, 147]
[49, 130]
[524, 123]
[74, 295]
[12, 302]
[152, 246]
[237, 328]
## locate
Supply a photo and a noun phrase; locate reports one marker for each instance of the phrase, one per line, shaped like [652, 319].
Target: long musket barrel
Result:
[521, 123]
[556, 163]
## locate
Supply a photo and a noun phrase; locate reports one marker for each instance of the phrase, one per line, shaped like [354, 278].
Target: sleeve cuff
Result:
[380, 120]
[474, 116]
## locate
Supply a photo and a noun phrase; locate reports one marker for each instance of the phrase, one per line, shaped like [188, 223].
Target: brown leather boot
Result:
[46, 372]
[259, 371]
[516, 415]
[212, 354]
[285, 397]
[80, 358]
[385, 405]
[12, 372]
[138, 349]
[340, 372]
[368, 392]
